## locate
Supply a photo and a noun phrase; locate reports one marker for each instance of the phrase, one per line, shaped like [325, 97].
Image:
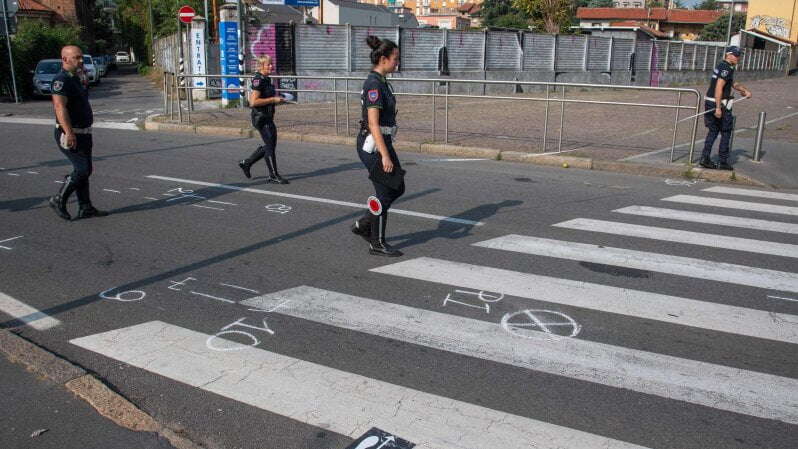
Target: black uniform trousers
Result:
[385, 194]
[723, 126]
[80, 157]
[268, 132]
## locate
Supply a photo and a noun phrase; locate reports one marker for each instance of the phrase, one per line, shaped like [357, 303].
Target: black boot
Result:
[245, 168]
[707, 163]
[88, 211]
[274, 176]
[362, 227]
[723, 165]
[377, 245]
[59, 201]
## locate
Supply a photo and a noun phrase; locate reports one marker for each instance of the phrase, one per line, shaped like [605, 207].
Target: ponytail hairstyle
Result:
[380, 48]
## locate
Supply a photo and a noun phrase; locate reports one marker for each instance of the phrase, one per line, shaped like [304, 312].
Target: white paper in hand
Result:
[369, 145]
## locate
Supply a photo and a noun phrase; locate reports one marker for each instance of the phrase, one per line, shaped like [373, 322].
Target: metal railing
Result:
[172, 89]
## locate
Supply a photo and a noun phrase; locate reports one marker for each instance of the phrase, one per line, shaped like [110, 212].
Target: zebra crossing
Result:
[350, 403]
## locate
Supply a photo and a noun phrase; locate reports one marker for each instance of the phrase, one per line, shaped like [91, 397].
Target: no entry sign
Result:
[186, 13]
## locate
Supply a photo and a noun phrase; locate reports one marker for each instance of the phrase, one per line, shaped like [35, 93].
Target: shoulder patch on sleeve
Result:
[724, 73]
[256, 82]
[58, 86]
[373, 95]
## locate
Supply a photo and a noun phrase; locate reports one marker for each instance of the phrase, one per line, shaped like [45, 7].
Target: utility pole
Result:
[731, 16]
[10, 55]
[152, 25]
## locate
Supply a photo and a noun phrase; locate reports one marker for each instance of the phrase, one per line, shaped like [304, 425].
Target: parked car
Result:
[122, 57]
[102, 67]
[43, 76]
[91, 70]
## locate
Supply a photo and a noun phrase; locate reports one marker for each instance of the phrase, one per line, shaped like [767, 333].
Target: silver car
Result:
[91, 70]
[102, 67]
[43, 76]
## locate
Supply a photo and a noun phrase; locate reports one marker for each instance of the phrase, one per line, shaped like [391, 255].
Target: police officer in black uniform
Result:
[718, 116]
[375, 146]
[74, 118]
[262, 100]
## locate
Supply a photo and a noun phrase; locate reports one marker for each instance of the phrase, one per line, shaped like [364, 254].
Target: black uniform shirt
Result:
[377, 93]
[724, 71]
[263, 84]
[76, 90]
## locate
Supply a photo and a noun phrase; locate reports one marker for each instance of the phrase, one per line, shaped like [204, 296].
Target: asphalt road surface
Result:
[534, 307]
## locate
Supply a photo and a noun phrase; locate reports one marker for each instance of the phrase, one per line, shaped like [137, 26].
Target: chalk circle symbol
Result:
[530, 322]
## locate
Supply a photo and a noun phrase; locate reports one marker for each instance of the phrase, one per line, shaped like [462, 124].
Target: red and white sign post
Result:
[186, 13]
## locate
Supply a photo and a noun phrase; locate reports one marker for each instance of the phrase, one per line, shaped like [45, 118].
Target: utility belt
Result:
[76, 130]
[385, 130]
[727, 103]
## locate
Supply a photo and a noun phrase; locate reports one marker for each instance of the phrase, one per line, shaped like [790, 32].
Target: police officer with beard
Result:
[262, 100]
[375, 146]
[718, 116]
[74, 118]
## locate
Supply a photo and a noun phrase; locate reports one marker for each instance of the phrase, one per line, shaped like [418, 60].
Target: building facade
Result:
[776, 18]
[682, 24]
[738, 5]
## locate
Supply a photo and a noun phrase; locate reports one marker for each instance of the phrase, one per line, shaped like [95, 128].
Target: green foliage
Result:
[143, 69]
[707, 4]
[716, 31]
[515, 21]
[33, 42]
[551, 16]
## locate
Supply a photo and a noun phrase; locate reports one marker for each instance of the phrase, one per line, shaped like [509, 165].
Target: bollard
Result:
[760, 132]
[734, 129]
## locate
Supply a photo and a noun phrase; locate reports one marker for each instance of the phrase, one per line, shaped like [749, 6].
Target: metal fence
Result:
[555, 93]
[300, 48]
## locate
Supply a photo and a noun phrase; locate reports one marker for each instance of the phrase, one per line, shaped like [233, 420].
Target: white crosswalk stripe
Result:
[733, 204]
[754, 193]
[731, 389]
[678, 236]
[700, 217]
[622, 301]
[342, 402]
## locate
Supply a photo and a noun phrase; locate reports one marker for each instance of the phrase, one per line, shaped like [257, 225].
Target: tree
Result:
[707, 4]
[502, 14]
[515, 21]
[716, 31]
[550, 15]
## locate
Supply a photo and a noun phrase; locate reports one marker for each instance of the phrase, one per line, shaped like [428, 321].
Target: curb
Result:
[549, 160]
[107, 402]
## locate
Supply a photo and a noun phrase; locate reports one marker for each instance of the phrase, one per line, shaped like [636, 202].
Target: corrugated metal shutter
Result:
[420, 49]
[319, 47]
[700, 56]
[504, 50]
[261, 41]
[361, 51]
[622, 50]
[539, 51]
[687, 56]
[642, 55]
[570, 53]
[598, 53]
[675, 56]
[465, 49]
[660, 50]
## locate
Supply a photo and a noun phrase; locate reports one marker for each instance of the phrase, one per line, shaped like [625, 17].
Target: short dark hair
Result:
[380, 48]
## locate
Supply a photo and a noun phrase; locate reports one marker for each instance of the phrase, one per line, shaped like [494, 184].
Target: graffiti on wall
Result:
[777, 26]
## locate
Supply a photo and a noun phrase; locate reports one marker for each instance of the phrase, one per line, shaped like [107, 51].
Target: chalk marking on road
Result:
[59, 182]
[131, 120]
[725, 388]
[617, 300]
[268, 380]
[640, 260]
[316, 199]
[679, 236]
[33, 172]
[113, 191]
[754, 193]
[8, 240]
[26, 314]
[222, 202]
[51, 122]
[207, 207]
[133, 188]
[733, 204]
[239, 287]
[205, 295]
[13, 174]
[151, 198]
[700, 217]
[781, 297]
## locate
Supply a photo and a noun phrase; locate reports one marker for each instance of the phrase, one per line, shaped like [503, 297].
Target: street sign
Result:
[186, 13]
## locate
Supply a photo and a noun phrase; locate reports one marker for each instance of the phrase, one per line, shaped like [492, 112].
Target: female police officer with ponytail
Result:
[375, 146]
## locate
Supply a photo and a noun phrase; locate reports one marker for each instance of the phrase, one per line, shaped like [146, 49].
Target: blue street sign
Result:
[228, 57]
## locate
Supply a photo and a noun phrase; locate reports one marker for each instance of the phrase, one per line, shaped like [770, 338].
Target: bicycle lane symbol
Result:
[527, 323]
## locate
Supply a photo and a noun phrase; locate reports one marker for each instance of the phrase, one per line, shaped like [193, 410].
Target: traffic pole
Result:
[10, 53]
